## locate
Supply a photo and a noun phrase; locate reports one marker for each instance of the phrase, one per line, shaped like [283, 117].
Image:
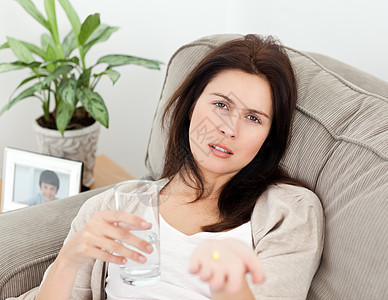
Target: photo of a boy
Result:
[49, 186]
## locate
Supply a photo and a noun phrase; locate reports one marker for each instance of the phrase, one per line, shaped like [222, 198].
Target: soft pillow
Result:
[340, 147]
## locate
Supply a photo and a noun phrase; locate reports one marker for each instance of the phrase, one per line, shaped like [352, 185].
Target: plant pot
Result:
[78, 144]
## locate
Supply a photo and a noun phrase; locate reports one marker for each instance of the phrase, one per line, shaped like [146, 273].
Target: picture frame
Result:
[31, 178]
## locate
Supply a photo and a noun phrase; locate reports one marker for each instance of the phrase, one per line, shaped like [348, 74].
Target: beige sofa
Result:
[339, 147]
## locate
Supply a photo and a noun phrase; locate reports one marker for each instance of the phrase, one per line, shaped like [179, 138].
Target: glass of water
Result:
[141, 197]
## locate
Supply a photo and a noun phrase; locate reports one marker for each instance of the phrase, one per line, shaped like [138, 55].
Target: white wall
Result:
[355, 32]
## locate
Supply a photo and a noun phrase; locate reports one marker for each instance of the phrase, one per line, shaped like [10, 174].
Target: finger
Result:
[254, 267]
[97, 253]
[122, 235]
[143, 225]
[195, 262]
[125, 219]
[117, 249]
[194, 266]
[99, 227]
[206, 272]
[234, 279]
[218, 280]
[252, 263]
[130, 221]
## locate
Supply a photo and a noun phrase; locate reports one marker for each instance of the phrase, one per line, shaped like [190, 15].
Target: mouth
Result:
[221, 148]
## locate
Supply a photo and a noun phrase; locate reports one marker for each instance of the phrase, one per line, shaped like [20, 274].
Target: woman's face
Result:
[230, 122]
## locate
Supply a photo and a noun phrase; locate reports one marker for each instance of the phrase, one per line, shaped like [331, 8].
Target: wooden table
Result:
[106, 172]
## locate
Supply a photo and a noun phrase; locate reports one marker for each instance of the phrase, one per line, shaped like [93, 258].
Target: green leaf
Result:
[88, 27]
[74, 60]
[28, 80]
[101, 34]
[4, 46]
[34, 49]
[113, 75]
[94, 104]
[58, 72]
[50, 56]
[30, 8]
[72, 16]
[5, 67]
[46, 40]
[29, 92]
[64, 113]
[120, 60]
[67, 89]
[20, 51]
[69, 44]
[50, 53]
[83, 80]
[49, 6]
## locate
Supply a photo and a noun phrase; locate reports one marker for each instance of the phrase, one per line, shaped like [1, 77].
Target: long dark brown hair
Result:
[252, 54]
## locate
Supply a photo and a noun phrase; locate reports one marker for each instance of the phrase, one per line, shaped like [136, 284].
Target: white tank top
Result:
[175, 280]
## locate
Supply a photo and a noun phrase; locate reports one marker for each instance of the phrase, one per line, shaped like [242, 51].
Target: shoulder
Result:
[99, 202]
[292, 191]
[36, 199]
[286, 207]
[102, 201]
[288, 233]
[288, 196]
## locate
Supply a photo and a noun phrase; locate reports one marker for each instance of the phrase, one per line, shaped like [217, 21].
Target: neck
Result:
[185, 185]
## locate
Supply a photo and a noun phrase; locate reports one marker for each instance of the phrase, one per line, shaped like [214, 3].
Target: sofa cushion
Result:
[339, 147]
[30, 240]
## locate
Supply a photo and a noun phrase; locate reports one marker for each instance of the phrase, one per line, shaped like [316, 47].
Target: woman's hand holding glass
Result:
[224, 264]
[98, 239]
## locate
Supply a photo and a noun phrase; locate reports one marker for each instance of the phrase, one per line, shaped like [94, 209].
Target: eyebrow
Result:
[250, 110]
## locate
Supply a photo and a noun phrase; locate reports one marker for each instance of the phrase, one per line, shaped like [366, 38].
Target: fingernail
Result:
[141, 259]
[145, 224]
[149, 249]
[124, 261]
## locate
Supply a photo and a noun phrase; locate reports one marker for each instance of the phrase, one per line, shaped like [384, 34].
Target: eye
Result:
[221, 105]
[254, 119]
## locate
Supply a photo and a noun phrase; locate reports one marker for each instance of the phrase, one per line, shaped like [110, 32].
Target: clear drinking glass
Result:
[141, 197]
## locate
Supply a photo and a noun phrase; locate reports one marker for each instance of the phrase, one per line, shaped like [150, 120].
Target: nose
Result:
[227, 131]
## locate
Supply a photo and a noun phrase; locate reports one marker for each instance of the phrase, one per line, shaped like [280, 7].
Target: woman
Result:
[230, 125]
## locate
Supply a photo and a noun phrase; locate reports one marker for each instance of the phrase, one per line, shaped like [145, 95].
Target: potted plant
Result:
[63, 83]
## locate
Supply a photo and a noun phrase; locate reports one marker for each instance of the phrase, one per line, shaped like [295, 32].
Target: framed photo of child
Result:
[30, 178]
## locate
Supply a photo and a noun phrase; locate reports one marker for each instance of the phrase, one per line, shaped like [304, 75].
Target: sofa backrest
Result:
[339, 147]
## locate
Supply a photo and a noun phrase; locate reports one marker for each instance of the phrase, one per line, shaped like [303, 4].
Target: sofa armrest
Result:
[31, 239]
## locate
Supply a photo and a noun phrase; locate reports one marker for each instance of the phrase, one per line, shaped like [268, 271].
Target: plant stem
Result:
[57, 98]
[45, 102]
[82, 54]
[46, 107]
